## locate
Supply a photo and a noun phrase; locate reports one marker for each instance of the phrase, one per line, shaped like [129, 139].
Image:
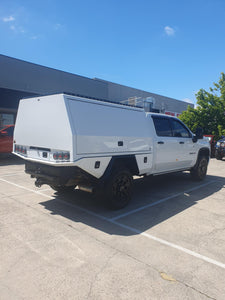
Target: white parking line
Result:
[164, 242]
[161, 201]
[22, 187]
[12, 174]
[45, 190]
[132, 229]
[51, 197]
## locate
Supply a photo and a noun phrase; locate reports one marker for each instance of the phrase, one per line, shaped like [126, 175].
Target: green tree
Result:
[210, 111]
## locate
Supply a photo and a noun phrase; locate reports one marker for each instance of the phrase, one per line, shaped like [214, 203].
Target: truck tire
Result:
[218, 155]
[200, 170]
[118, 188]
[63, 188]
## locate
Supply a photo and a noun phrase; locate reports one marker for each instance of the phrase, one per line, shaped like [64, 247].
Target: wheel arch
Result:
[204, 152]
[126, 161]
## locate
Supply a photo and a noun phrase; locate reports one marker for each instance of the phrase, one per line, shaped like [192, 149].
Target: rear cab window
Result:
[162, 126]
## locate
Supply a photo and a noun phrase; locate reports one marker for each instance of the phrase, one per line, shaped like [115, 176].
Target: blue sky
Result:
[172, 48]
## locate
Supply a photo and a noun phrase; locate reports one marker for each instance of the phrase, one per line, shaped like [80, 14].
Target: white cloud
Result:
[8, 19]
[169, 31]
[188, 100]
[17, 29]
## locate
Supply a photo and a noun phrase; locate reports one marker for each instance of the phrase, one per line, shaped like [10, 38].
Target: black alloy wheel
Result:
[118, 189]
[199, 172]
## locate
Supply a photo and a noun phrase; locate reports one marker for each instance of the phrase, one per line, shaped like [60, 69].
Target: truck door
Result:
[170, 150]
[186, 151]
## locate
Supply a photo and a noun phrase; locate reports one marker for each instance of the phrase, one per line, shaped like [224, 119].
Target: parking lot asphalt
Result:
[168, 243]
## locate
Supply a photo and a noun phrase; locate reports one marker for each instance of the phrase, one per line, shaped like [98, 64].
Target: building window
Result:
[6, 119]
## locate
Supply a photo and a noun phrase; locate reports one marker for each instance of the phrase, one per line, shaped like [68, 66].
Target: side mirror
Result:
[194, 139]
[199, 133]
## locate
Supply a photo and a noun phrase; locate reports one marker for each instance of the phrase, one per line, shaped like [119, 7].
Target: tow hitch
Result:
[38, 183]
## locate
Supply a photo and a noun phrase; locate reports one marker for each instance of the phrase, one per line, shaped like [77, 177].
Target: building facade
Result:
[21, 79]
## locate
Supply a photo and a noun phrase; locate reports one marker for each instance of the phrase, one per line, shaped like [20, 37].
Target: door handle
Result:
[160, 142]
[181, 142]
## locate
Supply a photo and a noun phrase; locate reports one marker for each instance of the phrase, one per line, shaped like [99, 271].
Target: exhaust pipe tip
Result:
[88, 189]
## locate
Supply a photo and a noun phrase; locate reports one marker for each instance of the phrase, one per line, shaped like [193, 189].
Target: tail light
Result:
[55, 156]
[60, 156]
[24, 150]
[63, 156]
[21, 150]
[66, 156]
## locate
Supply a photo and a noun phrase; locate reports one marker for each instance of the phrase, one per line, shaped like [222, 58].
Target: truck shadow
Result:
[8, 159]
[142, 213]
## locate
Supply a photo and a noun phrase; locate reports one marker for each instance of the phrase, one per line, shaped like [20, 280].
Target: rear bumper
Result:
[57, 175]
[45, 162]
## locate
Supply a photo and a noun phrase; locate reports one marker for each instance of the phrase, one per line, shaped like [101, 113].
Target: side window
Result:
[162, 126]
[179, 130]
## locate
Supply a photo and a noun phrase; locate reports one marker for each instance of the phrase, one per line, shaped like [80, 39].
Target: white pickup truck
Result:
[70, 141]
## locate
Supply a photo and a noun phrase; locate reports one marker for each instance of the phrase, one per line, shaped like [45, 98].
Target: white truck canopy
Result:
[81, 126]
